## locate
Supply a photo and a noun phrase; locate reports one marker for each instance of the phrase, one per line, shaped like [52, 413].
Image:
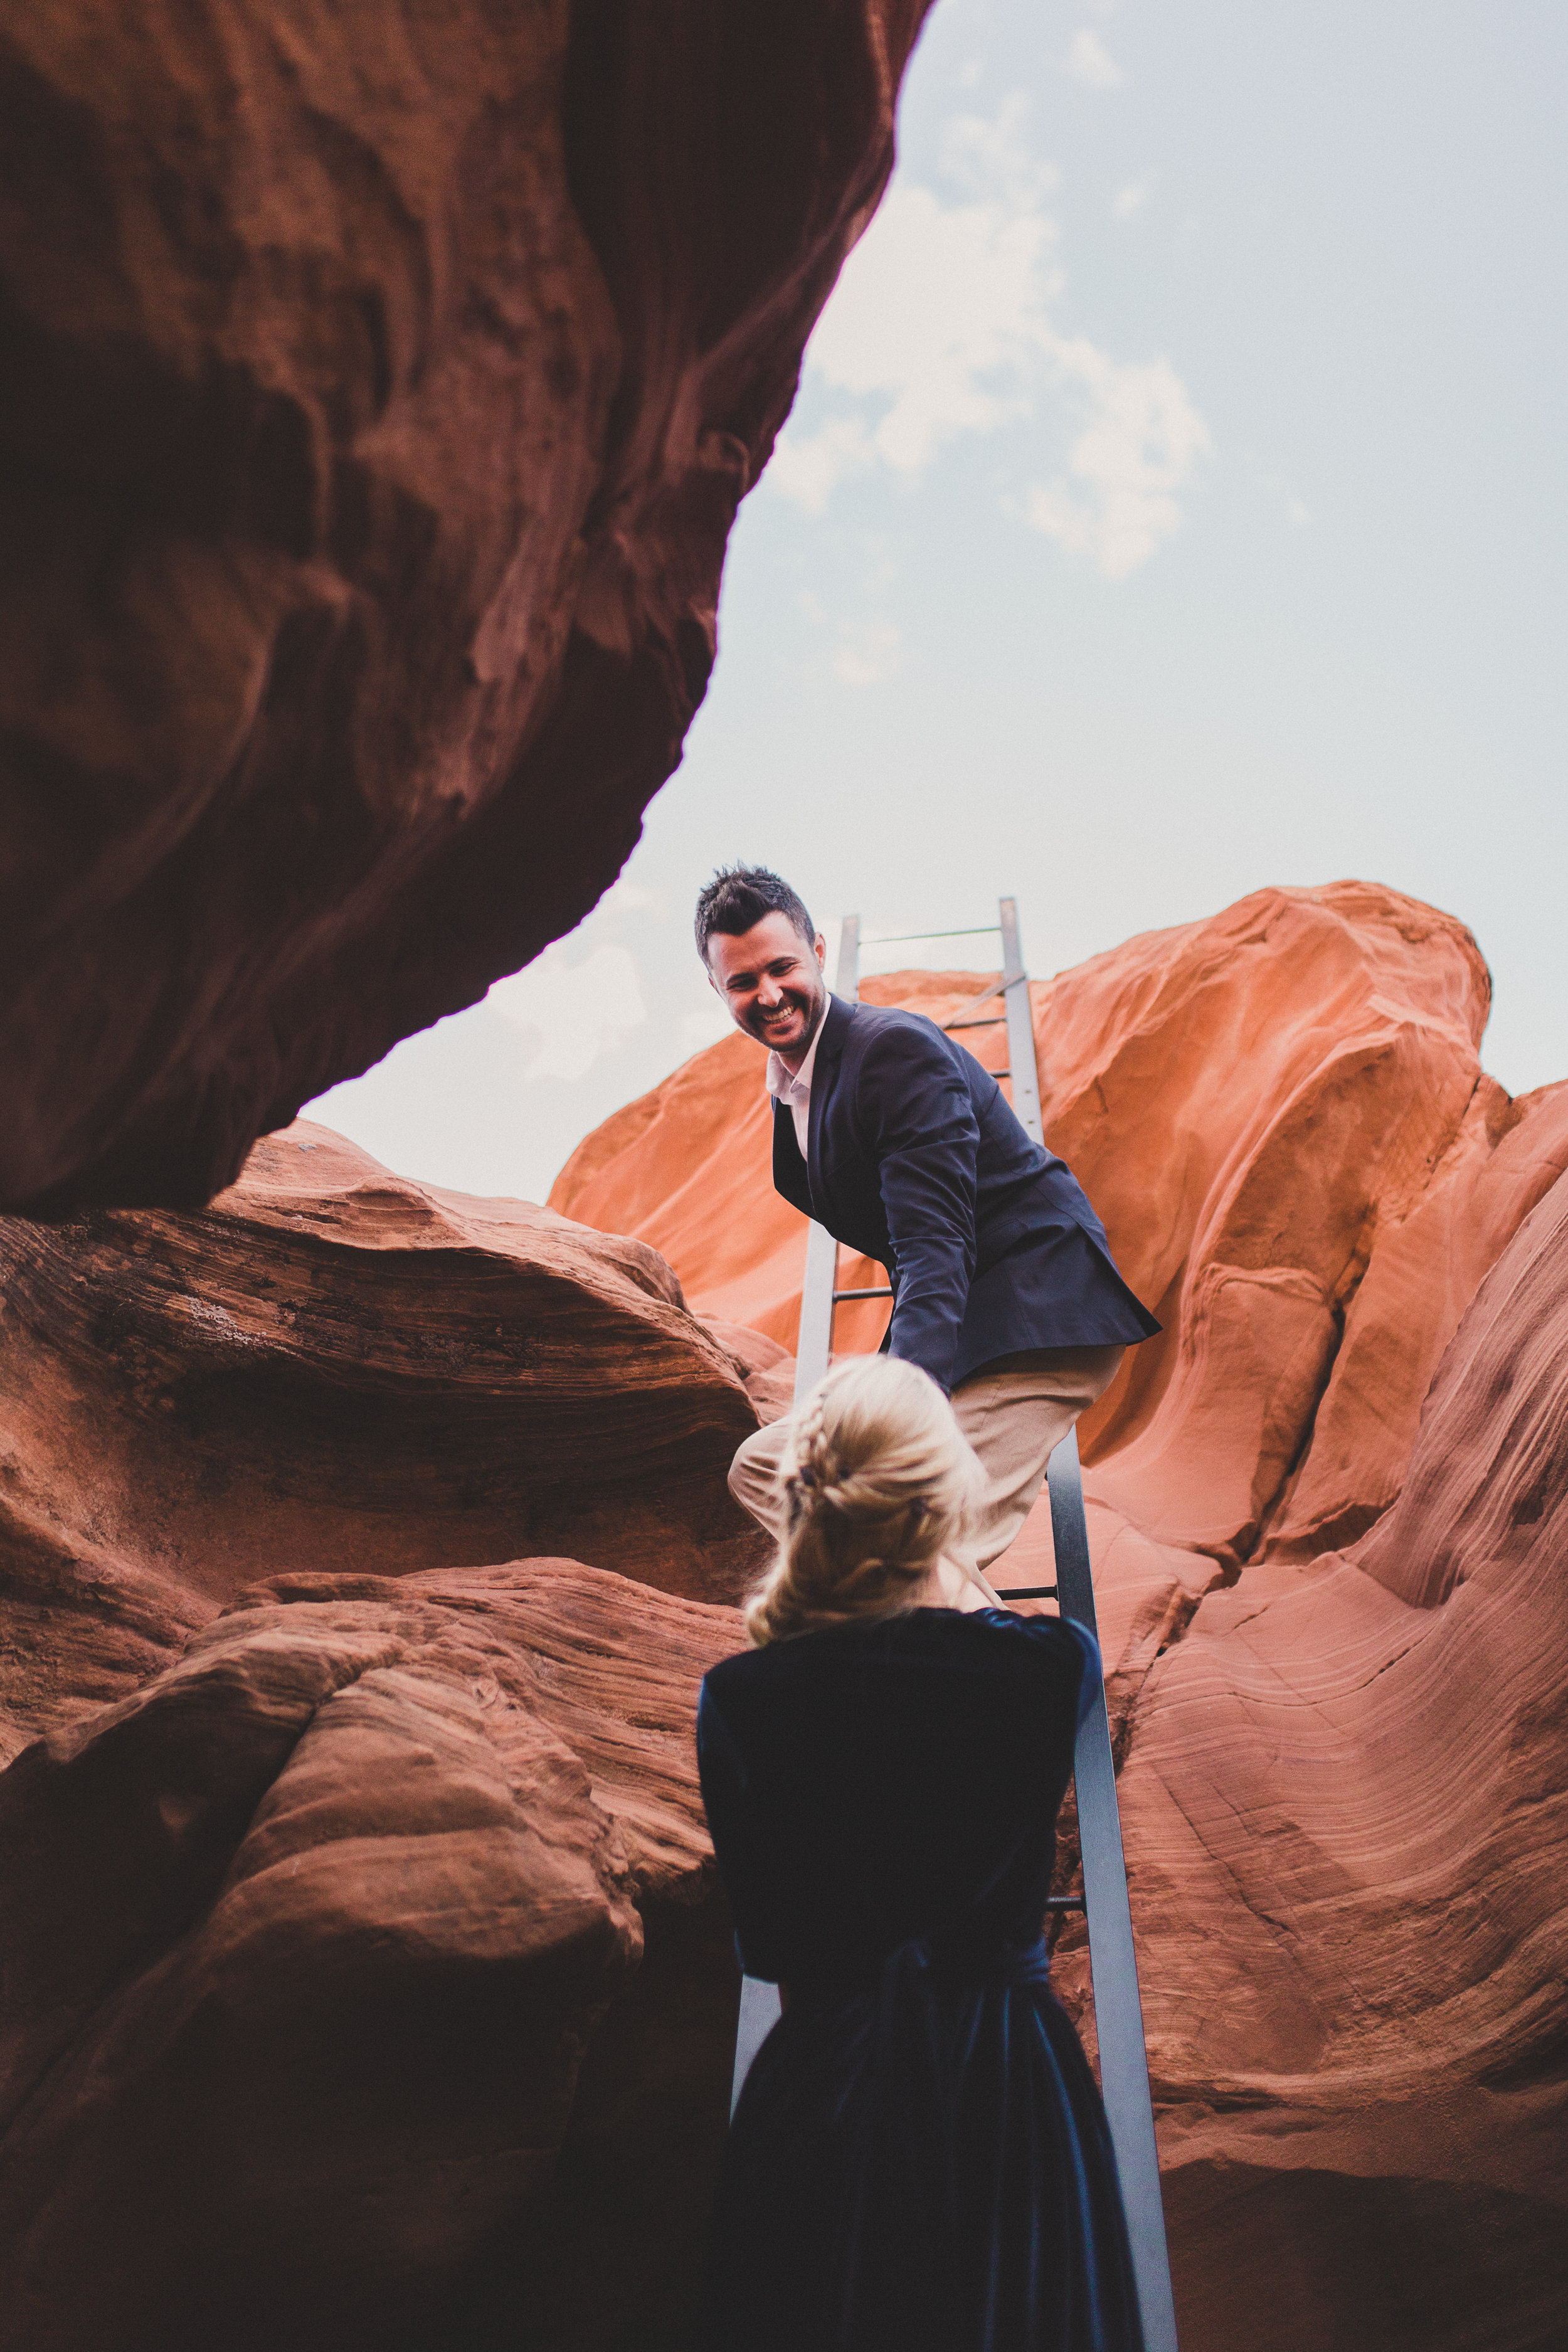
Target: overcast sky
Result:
[1175, 505]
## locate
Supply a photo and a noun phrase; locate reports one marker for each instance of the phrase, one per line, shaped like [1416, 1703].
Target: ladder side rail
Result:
[1021, 1061]
[814, 1345]
[760, 2008]
[1117, 2006]
[1113, 1960]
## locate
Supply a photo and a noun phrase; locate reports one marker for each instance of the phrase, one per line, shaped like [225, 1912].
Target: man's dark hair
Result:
[740, 895]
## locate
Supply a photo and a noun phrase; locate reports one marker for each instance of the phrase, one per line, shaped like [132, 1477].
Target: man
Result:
[890, 1133]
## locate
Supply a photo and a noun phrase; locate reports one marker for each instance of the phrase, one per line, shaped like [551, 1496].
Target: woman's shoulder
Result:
[984, 1640]
[1028, 1643]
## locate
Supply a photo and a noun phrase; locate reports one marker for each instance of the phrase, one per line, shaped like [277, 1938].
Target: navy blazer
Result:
[915, 1157]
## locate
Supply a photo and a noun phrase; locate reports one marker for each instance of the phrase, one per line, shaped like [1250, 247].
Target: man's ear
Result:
[820, 944]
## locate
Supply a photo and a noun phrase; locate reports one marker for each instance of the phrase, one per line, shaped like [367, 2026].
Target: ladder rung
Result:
[860, 1293]
[901, 938]
[1025, 1593]
[986, 1021]
[1064, 1903]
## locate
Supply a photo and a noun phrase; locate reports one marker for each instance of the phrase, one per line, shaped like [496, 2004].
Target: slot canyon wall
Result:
[363, 1546]
[378, 387]
[377, 392]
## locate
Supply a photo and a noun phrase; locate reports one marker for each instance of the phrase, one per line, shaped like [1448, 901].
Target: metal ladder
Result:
[1117, 2009]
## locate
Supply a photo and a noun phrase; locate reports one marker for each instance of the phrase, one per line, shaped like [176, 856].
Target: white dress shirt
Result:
[797, 1090]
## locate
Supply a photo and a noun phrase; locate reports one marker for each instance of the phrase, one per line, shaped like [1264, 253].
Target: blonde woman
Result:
[919, 2161]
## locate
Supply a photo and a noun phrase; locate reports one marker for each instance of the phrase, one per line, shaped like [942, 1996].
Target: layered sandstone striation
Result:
[304, 1943]
[1347, 1824]
[331, 1369]
[1326, 1513]
[377, 392]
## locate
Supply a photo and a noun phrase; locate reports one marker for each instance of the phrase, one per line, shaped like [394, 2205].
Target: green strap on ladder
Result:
[1118, 2009]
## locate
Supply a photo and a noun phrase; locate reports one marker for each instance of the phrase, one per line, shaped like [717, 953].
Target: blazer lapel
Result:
[789, 1167]
[835, 1025]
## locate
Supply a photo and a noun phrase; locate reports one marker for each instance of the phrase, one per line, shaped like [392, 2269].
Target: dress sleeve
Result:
[733, 1826]
[1093, 1679]
[1069, 1642]
[921, 1129]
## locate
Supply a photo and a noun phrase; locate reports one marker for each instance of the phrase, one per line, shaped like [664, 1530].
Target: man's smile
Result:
[782, 1019]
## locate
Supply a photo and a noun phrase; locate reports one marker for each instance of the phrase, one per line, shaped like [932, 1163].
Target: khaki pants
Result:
[1015, 1414]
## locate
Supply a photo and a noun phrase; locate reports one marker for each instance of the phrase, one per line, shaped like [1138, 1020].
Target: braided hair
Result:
[877, 1482]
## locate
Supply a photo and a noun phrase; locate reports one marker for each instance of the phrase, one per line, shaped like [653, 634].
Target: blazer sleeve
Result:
[919, 1121]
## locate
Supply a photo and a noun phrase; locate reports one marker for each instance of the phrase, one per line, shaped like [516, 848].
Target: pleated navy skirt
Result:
[919, 2162]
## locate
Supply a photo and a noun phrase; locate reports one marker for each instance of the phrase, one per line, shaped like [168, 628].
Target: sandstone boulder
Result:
[378, 390]
[303, 1945]
[333, 1368]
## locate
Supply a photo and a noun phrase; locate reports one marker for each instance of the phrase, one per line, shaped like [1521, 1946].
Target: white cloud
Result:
[579, 1011]
[1132, 197]
[944, 325]
[868, 652]
[809, 468]
[938, 316]
[704, 1027]
[1088, 62]
[624, 897]
[1142, 443]
[992, 161]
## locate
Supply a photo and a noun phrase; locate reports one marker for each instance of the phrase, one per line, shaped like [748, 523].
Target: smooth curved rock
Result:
[377, 394]
[1346, 1822]
[302, 1949]
[330, 1369]
[1282, 1119]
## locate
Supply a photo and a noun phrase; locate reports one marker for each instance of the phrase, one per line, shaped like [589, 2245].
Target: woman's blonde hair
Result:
[877, 1482]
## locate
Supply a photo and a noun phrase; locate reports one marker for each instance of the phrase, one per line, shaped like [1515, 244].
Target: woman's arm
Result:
[733, 1825]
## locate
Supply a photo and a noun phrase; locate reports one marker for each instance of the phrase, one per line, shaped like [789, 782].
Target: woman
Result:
[919, 2160]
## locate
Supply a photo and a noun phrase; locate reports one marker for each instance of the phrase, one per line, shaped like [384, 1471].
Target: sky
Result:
[1175, 505]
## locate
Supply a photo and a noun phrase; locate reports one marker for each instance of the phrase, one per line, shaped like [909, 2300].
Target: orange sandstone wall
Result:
[1281, 1117]
[1328, 1515]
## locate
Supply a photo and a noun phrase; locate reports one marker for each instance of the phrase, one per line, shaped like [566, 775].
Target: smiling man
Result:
[890, 1133]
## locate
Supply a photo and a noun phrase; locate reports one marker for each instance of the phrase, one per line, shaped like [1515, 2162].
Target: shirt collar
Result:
[782, 1083]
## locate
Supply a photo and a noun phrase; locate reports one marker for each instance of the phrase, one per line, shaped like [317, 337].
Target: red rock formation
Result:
[1343, 1781]
[1281, 1117]
[331, 1369]
[301, 1949]
[384, 1829]
[378, 391]
[1345, 1815]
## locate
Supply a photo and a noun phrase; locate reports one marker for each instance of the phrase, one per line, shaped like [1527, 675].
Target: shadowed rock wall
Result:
[377, 386]
[303, 1945]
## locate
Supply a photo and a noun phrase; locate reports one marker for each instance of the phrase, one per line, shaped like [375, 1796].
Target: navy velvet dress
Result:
[919, 2160]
